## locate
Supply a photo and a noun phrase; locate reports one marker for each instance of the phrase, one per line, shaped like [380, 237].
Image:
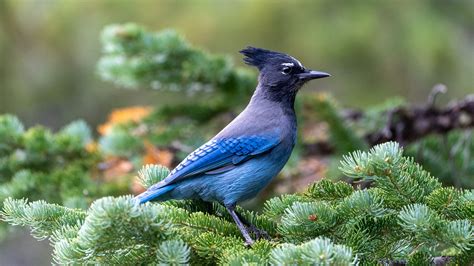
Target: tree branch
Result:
[406, 124]
[409, 123]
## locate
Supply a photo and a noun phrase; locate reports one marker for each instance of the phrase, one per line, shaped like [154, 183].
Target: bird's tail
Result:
[151, 193]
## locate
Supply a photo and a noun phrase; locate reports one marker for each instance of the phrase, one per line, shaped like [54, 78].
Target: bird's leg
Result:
[240, 225]
[259, 233]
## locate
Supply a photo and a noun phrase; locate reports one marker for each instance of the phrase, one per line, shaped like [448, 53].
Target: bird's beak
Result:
[312, 74]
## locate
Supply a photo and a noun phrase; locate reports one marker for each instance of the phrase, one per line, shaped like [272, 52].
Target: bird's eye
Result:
[286, 70]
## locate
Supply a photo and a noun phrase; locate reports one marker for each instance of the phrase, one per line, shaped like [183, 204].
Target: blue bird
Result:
[244, 157]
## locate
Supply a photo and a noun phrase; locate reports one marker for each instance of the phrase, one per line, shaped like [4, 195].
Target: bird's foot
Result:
[249, 242]
[259, 233]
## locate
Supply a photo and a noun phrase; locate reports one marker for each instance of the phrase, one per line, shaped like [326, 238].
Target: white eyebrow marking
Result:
[288, 64]
[299, 63]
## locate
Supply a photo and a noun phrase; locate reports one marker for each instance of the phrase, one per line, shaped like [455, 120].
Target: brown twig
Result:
[407, 124]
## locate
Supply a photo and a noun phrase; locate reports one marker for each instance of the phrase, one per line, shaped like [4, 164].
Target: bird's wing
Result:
[219, 153]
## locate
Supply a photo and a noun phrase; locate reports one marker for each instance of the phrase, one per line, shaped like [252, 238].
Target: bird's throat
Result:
[283, 96]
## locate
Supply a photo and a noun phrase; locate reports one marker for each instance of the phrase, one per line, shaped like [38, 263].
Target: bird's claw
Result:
[249, 243]
[259, 233]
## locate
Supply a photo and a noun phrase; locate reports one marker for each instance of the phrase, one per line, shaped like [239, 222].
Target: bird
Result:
[251, 150]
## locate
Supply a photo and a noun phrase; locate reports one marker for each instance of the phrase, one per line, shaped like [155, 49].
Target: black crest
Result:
[259, 57]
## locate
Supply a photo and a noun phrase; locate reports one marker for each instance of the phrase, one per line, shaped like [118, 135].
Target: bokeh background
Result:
[374, 50]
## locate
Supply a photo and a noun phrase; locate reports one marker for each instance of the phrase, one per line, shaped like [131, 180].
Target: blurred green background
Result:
[373, 49]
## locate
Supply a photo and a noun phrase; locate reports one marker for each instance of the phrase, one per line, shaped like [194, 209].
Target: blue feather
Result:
[151, 194]
[218, 153]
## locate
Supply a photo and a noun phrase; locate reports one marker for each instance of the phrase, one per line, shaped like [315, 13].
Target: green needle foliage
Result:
[136, 58]
[406, 216]
[38, 164]
[450, 156]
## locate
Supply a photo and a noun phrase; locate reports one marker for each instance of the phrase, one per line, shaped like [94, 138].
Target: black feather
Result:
[259, 57]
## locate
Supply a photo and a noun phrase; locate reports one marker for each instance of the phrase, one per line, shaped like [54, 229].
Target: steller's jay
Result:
[242, 159]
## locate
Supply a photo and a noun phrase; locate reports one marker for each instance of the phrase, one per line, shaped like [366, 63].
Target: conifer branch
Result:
[418, 222]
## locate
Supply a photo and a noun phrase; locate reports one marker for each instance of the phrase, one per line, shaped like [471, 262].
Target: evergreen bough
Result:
[407, 216]
[56, 167]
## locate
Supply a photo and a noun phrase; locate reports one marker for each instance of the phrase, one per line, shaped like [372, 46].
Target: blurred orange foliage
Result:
[155, 155]
[124, 115]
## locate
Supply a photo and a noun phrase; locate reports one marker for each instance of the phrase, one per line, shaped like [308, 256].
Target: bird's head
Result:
[280, 74]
